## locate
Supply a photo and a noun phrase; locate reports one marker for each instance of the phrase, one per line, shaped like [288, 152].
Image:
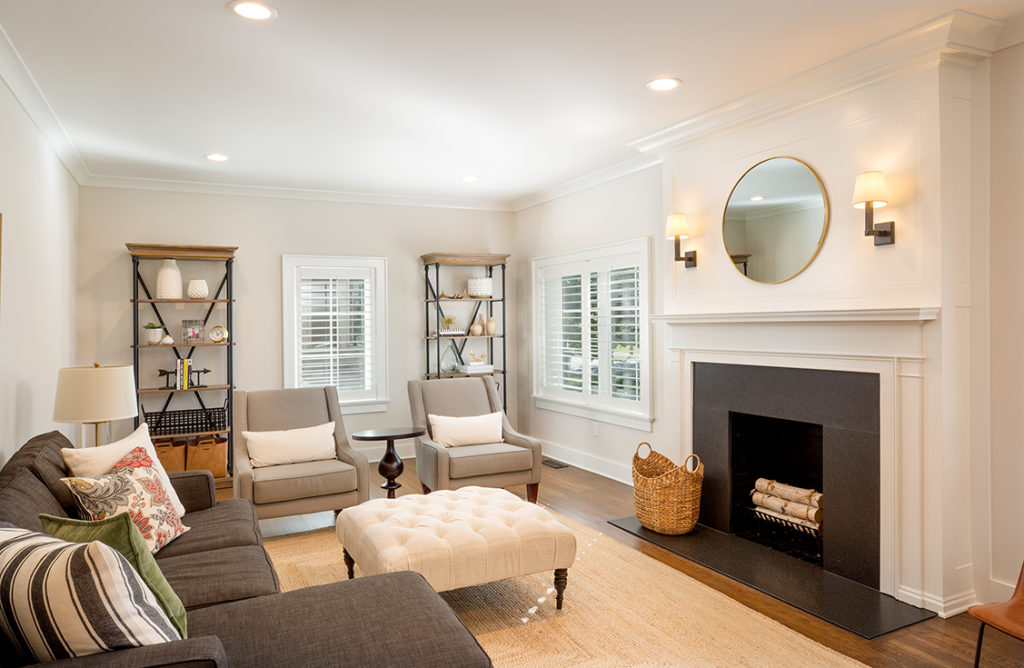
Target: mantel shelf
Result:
[162, 390]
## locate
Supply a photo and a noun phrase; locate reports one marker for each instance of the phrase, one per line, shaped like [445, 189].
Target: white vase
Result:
[153, 336]
[168, 281]
[197, 289]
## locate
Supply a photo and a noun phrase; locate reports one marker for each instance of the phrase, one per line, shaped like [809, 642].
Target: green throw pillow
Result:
[121, 534]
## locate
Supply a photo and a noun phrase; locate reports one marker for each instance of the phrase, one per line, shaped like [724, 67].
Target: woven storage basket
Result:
[666, 497]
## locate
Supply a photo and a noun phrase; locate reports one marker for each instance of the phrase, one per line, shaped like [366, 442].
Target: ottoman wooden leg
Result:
[561, 577]
[350, 563]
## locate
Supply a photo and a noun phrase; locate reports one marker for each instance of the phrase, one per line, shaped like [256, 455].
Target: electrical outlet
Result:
[594, 427]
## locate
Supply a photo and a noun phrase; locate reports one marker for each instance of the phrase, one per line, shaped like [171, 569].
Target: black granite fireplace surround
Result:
[844, 406]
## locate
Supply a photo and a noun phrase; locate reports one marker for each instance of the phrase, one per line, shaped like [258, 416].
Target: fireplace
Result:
[807, 427]
[787, 451]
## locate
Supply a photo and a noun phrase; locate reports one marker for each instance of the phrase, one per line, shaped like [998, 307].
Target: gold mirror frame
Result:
[824, 226]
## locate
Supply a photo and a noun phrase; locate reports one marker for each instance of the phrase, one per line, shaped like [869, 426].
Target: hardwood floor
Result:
[593, 500]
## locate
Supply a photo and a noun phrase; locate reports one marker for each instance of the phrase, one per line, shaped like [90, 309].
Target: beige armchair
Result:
[515, 461]
[306, 487]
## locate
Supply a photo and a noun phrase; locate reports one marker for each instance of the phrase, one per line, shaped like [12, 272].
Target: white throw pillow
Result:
[308, 444]
[474, 430]
[100, 460]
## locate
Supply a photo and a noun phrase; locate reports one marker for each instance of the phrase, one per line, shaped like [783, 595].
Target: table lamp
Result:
[95, 394]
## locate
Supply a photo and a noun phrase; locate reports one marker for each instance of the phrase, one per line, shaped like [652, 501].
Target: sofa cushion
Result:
[120, 533]
[42, 455]
[341, 624]
[24, 497]
[64, 600]
[216, 576]
[473, 460]
[230, 523]
[302, 481]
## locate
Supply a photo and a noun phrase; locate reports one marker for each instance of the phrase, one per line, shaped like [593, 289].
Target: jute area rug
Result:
[622, 608]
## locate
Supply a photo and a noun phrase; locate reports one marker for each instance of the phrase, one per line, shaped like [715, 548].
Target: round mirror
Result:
[775, 220]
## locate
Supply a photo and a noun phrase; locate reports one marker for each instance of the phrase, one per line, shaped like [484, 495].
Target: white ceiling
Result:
[403, 97]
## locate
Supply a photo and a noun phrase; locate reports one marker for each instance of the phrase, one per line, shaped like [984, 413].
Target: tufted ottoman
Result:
[457, 538]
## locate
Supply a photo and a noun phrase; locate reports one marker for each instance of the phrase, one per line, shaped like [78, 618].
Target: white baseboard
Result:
[605, 467]
[946, 606]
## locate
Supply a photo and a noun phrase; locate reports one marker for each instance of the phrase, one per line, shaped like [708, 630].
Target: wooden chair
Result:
[1008, 617]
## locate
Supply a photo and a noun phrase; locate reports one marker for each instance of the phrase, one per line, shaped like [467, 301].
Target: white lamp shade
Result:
[675, 226]
[869, 187]
[95, 394]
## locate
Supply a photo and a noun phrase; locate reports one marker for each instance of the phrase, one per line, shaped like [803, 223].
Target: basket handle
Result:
[687, 461]
[649, 450]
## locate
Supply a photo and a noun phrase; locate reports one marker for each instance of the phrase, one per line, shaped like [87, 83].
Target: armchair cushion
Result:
[290, 446]
[302, 481]
[487, 459]
[471, 430]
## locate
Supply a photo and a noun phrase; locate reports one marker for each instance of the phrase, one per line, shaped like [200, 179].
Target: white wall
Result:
[38, 202]
[264, 229]
[1006, 466]
[623, 209]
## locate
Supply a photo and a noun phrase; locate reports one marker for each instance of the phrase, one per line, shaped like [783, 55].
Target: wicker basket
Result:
[666, 497]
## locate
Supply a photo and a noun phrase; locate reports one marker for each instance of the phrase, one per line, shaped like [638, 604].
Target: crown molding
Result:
[1012, 34]
[26, 91]
[586, 181]
[167, 185]
[958, 33]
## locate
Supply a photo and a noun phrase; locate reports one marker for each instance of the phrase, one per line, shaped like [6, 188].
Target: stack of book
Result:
[476, 367]
[181, 374]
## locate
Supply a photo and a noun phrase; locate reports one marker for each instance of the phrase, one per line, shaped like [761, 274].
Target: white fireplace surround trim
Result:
[887, 342]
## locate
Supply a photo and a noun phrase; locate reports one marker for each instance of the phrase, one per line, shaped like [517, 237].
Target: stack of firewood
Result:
[786, 502]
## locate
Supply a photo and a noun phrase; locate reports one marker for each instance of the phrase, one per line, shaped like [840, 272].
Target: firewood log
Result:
[792, 508]
[789, 492]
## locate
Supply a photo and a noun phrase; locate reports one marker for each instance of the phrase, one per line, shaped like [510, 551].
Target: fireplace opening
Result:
[788, 452]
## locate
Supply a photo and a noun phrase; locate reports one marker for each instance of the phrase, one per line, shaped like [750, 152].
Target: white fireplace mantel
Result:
[893, 343]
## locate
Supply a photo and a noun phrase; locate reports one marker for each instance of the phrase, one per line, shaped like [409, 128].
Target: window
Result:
[591, 336]
[335, 327]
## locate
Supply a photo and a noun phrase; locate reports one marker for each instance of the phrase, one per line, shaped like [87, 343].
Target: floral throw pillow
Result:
[133, 487]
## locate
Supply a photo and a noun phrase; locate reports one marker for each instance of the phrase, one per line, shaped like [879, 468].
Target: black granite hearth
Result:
[833, 598]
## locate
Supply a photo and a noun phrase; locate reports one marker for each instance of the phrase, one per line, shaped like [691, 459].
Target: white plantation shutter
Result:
[336, 311]
[591, 335]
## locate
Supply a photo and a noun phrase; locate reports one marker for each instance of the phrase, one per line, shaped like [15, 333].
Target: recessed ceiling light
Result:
[216, 157]
[757, 198]
[470, 178]
[663, 83]
[250, 9]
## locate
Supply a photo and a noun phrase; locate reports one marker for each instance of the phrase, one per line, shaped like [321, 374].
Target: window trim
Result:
[290, 264]
[635, 415]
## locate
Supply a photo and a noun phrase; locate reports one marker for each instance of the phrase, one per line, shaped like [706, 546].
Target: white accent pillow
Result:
[100, 460]
[307, 444]
[474, 430]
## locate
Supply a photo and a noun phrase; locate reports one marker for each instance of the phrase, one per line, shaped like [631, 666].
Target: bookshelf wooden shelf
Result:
[220, 301]
[434, 304]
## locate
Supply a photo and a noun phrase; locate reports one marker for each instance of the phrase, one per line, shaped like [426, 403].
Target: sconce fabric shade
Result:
[870, 187]
[94, 394]
[675, 226]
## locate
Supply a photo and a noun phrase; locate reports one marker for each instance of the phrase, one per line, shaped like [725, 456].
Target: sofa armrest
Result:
[381, 620]
[195, 489]
[201, 652]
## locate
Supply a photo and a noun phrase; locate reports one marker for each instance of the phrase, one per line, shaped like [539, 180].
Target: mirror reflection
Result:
[775, 220]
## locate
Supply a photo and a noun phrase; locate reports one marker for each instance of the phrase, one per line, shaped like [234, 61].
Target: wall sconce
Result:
[869, 194]
[676, 229]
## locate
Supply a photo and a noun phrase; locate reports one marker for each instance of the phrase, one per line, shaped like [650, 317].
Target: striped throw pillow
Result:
[61, 600]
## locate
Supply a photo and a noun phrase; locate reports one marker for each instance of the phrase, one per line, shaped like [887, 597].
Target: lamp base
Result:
[884, 233]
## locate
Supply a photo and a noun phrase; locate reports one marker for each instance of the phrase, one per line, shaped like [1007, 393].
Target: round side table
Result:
[390, 466]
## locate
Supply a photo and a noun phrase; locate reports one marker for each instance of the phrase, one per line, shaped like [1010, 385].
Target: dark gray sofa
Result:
[237, 614]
